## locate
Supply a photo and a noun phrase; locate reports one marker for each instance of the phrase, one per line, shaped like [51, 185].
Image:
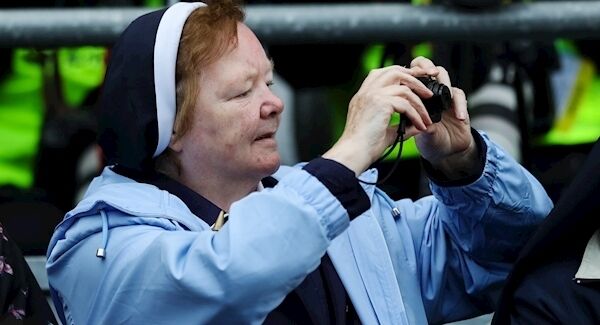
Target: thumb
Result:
[390, 135]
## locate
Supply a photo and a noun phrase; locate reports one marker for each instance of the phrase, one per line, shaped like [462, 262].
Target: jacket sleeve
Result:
[467, 237]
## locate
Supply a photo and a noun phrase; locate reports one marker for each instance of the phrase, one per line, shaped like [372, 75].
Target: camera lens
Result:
[440, 101]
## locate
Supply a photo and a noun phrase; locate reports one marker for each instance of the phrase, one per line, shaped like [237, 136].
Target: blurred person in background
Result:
[556, 279]
[190, 223]
[21, 299]
[46, 122]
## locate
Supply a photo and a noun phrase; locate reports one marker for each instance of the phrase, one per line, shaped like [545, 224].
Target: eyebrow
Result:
[253, 74]
[272, 64]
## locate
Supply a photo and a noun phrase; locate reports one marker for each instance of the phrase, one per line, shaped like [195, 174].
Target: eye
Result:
[244, 94]
[270, 83]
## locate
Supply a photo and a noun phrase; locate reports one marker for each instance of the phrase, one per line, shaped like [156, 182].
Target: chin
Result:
[274, 167]
[270, 164]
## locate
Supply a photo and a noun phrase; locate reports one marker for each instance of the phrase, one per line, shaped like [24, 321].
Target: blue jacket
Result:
[438, 259]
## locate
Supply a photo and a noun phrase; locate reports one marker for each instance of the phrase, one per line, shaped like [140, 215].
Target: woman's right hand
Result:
[367, 132]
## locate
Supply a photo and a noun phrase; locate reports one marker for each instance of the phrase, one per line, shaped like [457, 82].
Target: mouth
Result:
[269, 135]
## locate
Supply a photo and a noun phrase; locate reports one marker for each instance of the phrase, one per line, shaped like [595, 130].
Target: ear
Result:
[176, 144]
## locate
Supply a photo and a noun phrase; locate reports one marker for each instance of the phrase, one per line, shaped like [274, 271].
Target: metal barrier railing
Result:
[324, 23]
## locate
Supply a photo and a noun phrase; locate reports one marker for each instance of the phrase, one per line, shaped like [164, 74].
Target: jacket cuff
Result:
[440, 179]
[342, 183]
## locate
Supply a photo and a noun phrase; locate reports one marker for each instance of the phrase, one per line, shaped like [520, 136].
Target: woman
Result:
[189, 227]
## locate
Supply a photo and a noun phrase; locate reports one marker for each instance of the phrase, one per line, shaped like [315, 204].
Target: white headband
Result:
[165, 60]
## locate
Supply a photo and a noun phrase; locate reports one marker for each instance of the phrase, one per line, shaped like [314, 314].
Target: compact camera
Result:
[440, 101]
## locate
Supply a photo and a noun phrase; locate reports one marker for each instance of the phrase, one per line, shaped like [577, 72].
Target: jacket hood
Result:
[137, 104]
[143, 204]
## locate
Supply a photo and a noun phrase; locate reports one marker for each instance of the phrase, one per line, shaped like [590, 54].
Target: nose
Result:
[271, 106]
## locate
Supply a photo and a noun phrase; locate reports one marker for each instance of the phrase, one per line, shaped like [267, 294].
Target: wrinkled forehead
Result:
[246, 56]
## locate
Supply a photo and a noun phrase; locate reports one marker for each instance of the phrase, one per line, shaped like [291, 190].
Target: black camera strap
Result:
[398, 141]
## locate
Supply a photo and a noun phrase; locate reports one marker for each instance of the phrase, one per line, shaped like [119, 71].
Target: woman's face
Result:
[236, 116]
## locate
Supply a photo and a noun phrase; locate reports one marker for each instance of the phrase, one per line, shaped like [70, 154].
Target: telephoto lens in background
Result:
[493, 108]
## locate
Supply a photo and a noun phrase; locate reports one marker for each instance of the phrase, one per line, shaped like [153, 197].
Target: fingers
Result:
[396, 75]
[392, 132]
[459, 104]
[443, 76]
[397, 88]
[390, 135]
[422, 66]
[377, 73]
[414, 102]
[403, 106]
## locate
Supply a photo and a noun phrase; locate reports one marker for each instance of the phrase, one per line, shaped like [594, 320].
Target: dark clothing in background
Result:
[21, 299]
[541, 288]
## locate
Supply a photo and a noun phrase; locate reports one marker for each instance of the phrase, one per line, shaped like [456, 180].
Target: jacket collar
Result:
[198, 204]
